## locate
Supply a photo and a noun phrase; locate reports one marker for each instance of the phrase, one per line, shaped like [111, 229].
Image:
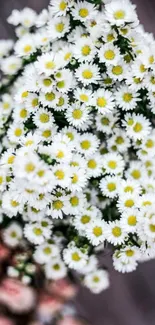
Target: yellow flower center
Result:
[6, 105]
[87, 74]
[44, 118]
[35, 102]
[129, 203]
[85, 219]
[13, 234]
[59, 27]
[112, 164]
[86, 144]
[1, 179]
[138, 127]
[83, 12]
[47, 250]
[132, 220]
[47, 82]
[145, 203]
[119, 14]
[56, 267]
[86, 50]
[59, 174]
[37, 231]
[111, 187]
[62, 5]
[105, 121]
[101, 102]
[152, 228]
[129, 253]
[92, 164]
[14, 203]
[117, 70]
[60, 154]
[50, 65]
[61, 84]
[30, 167]
[50, 97]
[11, 159]
[67, 56]
[70, 136]
[97, 231]
[149, 143]
[137, 80]
[96, 279]
[24, 94]
[41, 173]
[142, 68]
[29, 143]
[136, 174]
[116, 231]
[61, 102]
[119, 140]
[75, 179]
[74, 201]
[84, 98]
[27, 48]
[18, 132]
[23, 113]
[110, 37]
[76, 257]
[109, 55]
[77, 114]
[128, 189]
[127, 97]
[57, 205]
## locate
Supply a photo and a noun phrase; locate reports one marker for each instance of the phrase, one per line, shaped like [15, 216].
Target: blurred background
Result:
[131, 298]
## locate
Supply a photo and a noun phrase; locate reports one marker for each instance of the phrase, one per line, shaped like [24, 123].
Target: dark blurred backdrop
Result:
[131, 298]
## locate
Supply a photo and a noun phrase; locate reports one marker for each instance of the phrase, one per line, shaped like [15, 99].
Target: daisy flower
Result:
[55, 269]
[109, 186]
[114, 233]
[12, 235]
[83, 11]
[137, 126]
[106, 123]
[85, 51]
[88, 144]
[126, 98]
[47, 63]
[123, 267]
[36, 233]
[94, 165]
[77, 114]
[58, 27]
[83, 95]
[109, 54]
[45, 252]
[43, 119]
[113, 163]
[74, 257]
[88, 74]
[11, 65]
[128, 201]
[76, 203]
[95, 231]
[97, 281]
[25, 46]
[130, 219]
[120, 13]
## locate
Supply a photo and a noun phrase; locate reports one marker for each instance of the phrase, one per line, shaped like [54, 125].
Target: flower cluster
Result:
[77, 166]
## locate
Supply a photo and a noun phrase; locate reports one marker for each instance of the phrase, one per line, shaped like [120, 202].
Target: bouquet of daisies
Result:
[77, 165]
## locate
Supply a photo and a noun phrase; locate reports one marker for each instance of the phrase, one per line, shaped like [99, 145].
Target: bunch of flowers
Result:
[77, 166]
